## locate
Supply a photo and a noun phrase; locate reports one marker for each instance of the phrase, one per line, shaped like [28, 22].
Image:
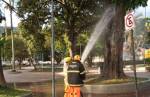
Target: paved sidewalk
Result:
[26, 76]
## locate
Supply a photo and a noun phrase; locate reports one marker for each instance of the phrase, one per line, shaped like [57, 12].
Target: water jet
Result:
[99, 29]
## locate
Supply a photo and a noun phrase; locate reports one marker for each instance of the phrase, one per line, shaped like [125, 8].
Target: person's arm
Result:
[65, 69]
[82, 71]
[65, 74]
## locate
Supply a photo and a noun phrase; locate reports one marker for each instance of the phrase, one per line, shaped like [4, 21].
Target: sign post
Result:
[129, 25]
[134, 65]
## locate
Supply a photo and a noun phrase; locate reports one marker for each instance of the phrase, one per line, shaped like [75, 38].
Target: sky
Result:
[7, 15]
[16, 20]
[142, 10]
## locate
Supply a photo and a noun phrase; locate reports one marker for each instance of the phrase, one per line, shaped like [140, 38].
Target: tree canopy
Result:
[71, 16]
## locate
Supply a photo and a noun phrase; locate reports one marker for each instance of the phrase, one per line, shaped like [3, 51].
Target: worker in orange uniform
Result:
[75, 76]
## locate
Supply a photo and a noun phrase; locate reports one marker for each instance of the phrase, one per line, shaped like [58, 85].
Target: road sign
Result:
[129, 21]
[147, 53]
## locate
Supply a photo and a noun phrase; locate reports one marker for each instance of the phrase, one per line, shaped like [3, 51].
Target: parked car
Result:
[6, 63]
[25, 62]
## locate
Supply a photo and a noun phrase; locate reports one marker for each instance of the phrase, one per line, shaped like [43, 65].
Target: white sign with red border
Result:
[129, 21]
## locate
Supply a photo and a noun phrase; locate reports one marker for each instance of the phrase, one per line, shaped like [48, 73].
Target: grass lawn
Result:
[102, 81]
[10, 92]
[6, 67]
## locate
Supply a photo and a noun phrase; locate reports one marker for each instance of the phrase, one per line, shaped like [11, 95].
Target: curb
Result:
[115, 88]
[27, 95]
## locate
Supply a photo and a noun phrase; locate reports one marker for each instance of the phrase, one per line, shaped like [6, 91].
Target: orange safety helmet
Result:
[77, 57]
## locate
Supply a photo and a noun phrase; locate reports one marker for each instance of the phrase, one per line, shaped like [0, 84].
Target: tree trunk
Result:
[114, 46]
[72, 33]
[2, 79]
[89, 61]
[107, 57]
[73, 41]
[19, 63]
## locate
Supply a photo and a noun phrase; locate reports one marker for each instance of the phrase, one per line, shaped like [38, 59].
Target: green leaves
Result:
[20, 48]
[72, 18]
[2, 41]
[131, 4]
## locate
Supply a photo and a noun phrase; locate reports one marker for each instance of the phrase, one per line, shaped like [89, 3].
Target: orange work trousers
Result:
[72, 91]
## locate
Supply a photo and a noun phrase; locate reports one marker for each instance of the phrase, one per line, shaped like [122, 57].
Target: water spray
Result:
[99, 29]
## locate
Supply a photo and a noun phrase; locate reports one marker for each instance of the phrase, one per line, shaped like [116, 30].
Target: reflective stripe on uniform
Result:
[83, 72]
[76, 85]
[75, 71]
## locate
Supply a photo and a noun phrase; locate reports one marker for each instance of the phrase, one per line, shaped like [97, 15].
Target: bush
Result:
[147, 67]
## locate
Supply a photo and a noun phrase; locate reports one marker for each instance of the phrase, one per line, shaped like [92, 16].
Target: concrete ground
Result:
[25, 76]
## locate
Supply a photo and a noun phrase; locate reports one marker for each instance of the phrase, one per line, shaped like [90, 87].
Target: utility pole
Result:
[144, 35]
[52, 49]
[12, 36]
